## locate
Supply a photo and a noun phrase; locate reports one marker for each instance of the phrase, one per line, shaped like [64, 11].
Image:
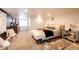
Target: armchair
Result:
[4, 44]
[11, 33]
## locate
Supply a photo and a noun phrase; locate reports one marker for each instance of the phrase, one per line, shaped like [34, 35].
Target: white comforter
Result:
[39, 34]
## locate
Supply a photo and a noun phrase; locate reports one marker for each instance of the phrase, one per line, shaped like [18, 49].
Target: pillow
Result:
[67, 27]
[57, 27]
[11, 32]
[48, 27]
[54, 26]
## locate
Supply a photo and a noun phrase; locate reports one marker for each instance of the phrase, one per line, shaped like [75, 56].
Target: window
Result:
[23, 23]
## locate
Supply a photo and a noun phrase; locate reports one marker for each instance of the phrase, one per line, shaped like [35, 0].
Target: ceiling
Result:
[33, 12]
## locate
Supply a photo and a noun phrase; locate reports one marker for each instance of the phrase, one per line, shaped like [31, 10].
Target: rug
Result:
[73, 46]
[59, 44]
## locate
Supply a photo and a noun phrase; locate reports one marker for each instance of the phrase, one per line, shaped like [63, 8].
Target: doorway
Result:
[24, 24]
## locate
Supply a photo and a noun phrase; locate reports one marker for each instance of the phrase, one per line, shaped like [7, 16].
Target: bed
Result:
[47, 33]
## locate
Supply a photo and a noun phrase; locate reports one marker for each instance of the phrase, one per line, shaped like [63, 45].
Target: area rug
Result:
[73, 46]
[59, 44]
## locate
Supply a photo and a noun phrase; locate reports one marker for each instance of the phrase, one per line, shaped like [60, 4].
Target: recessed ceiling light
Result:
[26, 10]
[48, 14]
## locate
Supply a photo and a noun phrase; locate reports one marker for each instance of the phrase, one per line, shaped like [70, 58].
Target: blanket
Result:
[48, 33]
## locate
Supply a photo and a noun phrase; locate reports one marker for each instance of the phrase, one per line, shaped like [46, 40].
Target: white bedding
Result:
[56, 32]
[39, 34]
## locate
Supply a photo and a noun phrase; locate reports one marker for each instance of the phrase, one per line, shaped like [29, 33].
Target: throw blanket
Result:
[48, 33]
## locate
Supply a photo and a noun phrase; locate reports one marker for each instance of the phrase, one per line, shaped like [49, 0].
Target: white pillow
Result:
[57, 27]
[67, 27]
[11, 32]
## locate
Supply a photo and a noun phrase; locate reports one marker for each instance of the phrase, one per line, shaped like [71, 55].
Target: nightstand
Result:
[65, 33]
[72, 35]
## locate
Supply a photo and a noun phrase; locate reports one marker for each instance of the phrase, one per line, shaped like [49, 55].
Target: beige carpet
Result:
[24, 41]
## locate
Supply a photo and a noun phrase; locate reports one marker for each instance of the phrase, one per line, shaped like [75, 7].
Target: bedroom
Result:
[28, 22]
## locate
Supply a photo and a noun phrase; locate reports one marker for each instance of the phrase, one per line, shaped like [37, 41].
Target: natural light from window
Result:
[23, 23]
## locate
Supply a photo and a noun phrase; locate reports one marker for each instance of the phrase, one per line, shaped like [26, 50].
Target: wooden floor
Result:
[24, 41]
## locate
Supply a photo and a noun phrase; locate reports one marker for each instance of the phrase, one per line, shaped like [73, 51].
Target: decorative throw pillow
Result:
[57, 27]
[53, 28]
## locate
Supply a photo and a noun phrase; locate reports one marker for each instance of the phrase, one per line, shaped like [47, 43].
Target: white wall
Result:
[72, 18]
[2, 22]
[35, 24]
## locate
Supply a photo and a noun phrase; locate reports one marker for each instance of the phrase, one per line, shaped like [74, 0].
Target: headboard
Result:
[54, 26]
